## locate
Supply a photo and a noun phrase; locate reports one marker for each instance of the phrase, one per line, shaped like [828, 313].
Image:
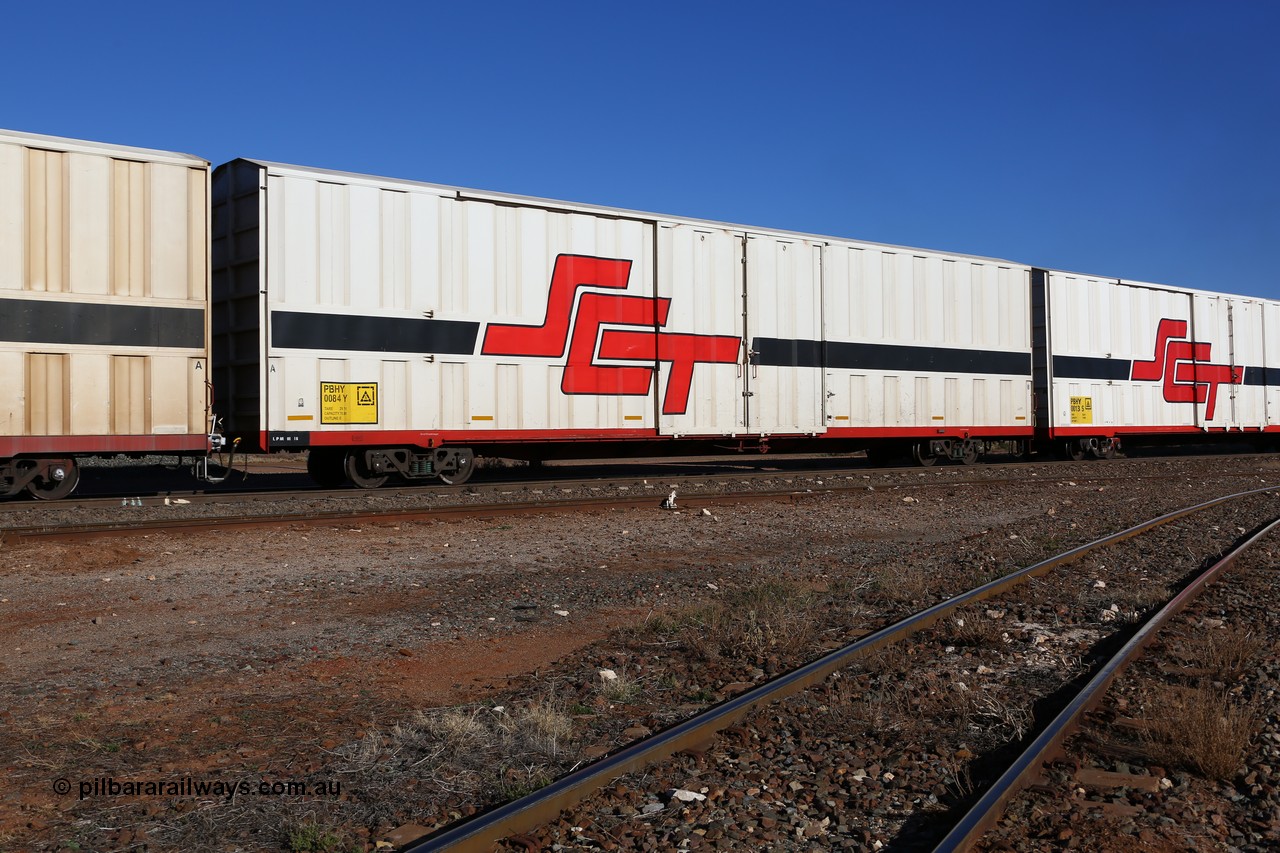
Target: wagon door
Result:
[1247, 354]
[701, 377]
[784, 320]
[1212, 367]
[1266, 373]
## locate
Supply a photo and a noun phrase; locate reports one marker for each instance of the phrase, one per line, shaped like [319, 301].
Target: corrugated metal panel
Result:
[431, 271]
[104, 269]
[513, 200]
[700, 271]
[784, 302]
[925, 340]
[1152, 357]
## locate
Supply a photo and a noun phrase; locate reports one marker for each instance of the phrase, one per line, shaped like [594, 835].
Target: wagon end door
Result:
[701, 374]
[786, 382]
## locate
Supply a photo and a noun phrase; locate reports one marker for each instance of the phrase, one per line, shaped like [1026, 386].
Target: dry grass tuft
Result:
[972, 628]
[1226, 653]
[543, 729]
[1200, 728]
[772, 617]
[925, 703]
[899, 584]
[475, 751]
[620, 689]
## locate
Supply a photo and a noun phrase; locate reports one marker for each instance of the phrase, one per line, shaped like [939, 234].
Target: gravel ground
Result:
[306, 654]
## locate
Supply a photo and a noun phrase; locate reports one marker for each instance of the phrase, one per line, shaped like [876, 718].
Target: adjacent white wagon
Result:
[1138, 359]
[104, 272]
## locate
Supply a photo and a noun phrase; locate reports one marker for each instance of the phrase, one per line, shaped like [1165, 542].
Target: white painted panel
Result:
[90, 408]
[393, 395]
[89, 224]
[169, 248]
[362, 276]
[13, 215]
[1098, 320]
[13, 378]
[784, 302]
[86, 222]
[129, 267]
[700, 271]
[169, 412]
[905, 301]
[1269, 360]
[453, 396]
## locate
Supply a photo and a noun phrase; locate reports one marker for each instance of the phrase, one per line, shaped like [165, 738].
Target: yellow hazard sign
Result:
[1081, 410]
[348, 402]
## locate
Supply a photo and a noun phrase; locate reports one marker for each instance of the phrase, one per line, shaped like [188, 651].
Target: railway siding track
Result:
[804, 578]
[201, 511]
[756, 719]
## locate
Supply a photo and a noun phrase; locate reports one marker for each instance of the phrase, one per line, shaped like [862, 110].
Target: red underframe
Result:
[1111, 431]
[93, 445]
[480, 437]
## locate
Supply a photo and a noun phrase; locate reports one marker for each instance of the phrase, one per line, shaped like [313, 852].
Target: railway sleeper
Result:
[371, 467]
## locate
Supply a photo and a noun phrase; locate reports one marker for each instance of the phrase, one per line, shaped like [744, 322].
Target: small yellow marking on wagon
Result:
[348, 403]
[1082, 410]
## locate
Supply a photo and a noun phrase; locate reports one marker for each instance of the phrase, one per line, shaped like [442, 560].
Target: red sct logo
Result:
[593, 337]
[1181, 364]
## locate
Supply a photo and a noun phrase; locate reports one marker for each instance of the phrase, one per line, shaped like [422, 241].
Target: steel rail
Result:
[692, 500]
[1049, 744]
[945, 476]
[481, 831]
[484, 510]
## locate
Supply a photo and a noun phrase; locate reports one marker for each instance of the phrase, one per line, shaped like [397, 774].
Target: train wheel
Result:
[969, 454]
[1073, 450]
[456, 470]
[923, 454]
[52, 488]
[359, 474]
[325, 466]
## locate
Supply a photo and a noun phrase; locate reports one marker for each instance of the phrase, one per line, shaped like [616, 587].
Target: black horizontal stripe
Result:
[1262, 376]
[781, 352]
[297, 330]
[47, 321]
[1085, 367]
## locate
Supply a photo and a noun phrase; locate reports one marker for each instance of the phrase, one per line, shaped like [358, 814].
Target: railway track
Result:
[259, 485]
[520, 819]
[119, 515]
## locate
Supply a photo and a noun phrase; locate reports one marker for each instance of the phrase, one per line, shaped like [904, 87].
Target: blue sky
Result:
[1126, 139]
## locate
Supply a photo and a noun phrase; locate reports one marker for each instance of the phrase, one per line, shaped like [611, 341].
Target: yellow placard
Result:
[348, 402]
[1081, 410]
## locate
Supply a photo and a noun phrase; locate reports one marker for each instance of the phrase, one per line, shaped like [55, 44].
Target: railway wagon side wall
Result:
[377, 297]
[397, 312]
[1131, 358]
[926, 342]
[104, 272]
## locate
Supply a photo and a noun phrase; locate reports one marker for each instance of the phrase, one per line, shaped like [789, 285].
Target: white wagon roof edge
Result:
[489, 195]
[85, 146]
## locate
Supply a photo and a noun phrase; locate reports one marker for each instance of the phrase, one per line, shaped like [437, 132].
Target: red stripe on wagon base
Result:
[101, 445]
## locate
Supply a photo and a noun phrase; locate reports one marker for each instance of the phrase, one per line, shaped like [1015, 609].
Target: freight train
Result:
[393, 328]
